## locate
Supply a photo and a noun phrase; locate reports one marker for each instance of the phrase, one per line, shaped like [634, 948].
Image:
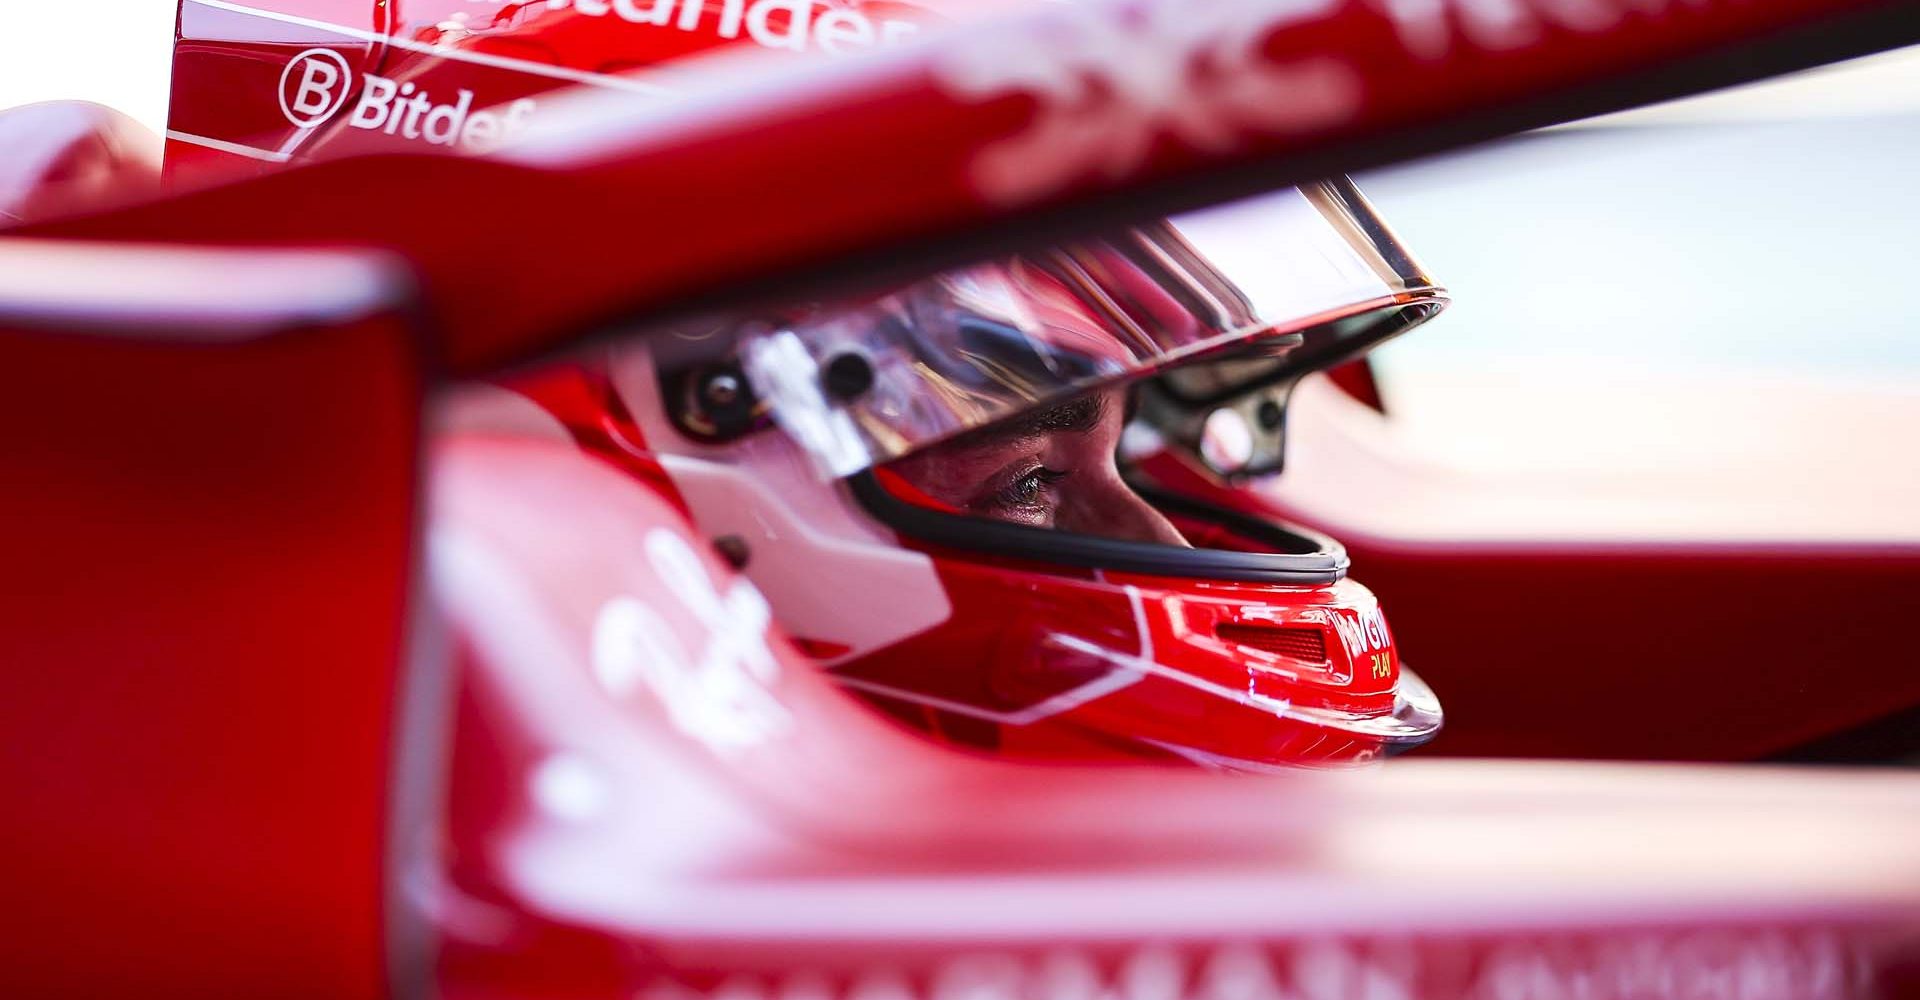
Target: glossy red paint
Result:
[1776, 678]
[610, 833]
[292, 80]
[1409, 67]
[208, 539]
[1051, 639]
[1080, 661]
[696, 168]
[219, 539]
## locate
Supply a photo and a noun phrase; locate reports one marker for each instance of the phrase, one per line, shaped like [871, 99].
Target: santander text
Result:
[775, 24]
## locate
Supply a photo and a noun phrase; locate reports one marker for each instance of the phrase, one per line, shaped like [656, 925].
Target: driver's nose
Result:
[1111, 509]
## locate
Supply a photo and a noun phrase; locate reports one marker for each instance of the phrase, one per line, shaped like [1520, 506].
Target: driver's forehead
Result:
[1080, 415]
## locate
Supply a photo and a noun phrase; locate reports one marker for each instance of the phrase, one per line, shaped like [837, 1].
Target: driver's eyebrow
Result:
[1080, 415]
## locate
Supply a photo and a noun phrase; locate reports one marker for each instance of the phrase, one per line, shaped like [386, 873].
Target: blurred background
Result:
[1703, 301]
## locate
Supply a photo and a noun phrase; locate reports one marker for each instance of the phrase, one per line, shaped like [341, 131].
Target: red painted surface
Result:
[1407, 71]
[696, 168]
[207, 528]
[1226, 636]
[212, 553]
[1654, 652]
[609, 835]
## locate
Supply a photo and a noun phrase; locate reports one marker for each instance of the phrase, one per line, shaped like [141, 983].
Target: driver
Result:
[1054, 468]
[990, 501]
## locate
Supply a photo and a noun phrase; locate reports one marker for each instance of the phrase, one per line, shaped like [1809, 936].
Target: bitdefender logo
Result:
[313, 87]
[317, 84]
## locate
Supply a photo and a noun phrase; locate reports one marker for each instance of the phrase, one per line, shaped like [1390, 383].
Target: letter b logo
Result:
[314, 86]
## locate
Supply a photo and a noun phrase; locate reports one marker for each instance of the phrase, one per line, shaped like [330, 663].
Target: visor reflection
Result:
[1220, 304]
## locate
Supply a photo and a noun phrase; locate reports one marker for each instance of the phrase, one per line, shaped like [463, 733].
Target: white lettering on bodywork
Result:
[400, 110]
[720, 695]
[1706, 962]
[1109, 84]
[313, 86]
[1364, 631]
[799, 28]
[317, 83]
[1107, 89]
[1433, 29]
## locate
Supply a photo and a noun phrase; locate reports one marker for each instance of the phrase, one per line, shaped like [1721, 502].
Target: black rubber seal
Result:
[1301, 557]
[1282, 538]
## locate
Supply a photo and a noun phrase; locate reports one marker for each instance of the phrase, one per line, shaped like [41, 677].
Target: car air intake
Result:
[1308, 645]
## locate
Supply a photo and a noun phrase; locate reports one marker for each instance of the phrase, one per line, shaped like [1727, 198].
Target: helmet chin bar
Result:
[1299, 556]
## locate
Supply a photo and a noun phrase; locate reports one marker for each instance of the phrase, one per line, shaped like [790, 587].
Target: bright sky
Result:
[116, 52]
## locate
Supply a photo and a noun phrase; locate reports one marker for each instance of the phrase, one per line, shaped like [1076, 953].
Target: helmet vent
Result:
[1308, 645]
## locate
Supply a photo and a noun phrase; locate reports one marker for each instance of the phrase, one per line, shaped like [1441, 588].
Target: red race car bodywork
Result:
[1368, 74]
[279, 725]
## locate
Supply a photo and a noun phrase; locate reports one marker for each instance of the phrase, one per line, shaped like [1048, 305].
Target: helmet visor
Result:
[1216, 304]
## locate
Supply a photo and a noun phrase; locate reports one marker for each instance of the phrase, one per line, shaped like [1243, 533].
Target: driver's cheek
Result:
[1106, 507]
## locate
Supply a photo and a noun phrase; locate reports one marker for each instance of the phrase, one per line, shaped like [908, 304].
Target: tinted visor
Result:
[1217, 304]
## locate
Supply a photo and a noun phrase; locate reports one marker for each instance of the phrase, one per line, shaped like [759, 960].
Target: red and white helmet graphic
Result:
[970, 499]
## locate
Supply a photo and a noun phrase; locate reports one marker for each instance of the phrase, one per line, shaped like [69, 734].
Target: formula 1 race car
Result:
[633, 499]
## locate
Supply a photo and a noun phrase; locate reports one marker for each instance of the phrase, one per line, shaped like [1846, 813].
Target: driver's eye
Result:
[1026, 494]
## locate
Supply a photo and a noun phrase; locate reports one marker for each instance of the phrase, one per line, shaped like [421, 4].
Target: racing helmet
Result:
[979, 499]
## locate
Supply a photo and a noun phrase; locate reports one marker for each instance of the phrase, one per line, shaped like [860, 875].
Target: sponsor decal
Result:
[1434, 29]
[319, 82]
[314, 86]
[1362, 631]
[795, 25]
[1110, 82]
[720, 694]
[1108, 88]
[1730, 964]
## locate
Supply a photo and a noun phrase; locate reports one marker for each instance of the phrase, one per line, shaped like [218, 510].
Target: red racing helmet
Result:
[971, 497]
[965, 496]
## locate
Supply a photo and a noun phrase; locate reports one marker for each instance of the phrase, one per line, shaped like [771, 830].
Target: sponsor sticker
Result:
[794, 25]
[1706, 962]
[314, 86]
[1107, 89]
[319, 83]
[719, 691]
